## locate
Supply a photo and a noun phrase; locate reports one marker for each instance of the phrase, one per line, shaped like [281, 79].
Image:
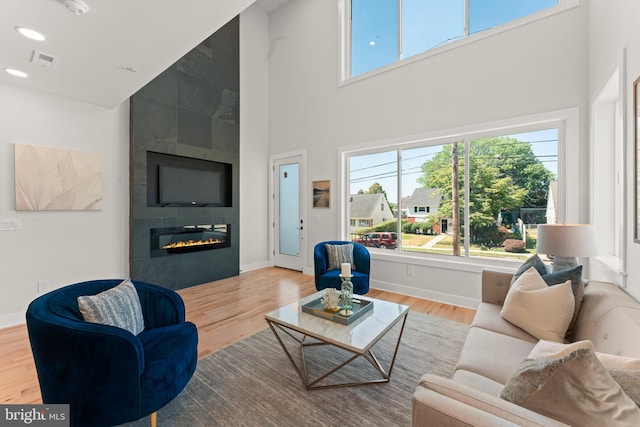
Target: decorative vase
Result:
[346, 291]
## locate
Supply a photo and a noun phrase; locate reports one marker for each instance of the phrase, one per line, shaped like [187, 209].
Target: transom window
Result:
[482, 196]
[383, 32]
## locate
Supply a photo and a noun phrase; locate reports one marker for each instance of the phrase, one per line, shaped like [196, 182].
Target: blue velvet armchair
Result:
[331, 278]
[108, 375]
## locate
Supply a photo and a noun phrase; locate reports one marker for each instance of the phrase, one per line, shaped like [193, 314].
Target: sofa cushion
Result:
[170, 357]
[118, 306]
[488, 317]
[482, 348]
[574, 388]
[607, 315]
[478, 382]
[543, 311]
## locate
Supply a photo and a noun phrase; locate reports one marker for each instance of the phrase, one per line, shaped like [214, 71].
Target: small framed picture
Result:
[321, 194]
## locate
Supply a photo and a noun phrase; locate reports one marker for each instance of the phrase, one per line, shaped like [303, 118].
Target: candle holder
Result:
[346, 296]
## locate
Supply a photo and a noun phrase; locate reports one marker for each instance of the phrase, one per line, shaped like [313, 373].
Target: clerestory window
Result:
[378, 33]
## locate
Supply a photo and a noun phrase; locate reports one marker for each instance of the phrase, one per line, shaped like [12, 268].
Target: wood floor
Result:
[225, 312]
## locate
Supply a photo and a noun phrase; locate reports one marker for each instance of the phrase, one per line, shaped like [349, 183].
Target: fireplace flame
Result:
[188, 243]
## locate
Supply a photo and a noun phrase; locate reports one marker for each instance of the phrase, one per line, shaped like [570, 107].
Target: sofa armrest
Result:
[495, 285]
[441, 401]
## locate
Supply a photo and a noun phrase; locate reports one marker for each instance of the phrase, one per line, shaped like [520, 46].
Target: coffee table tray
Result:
[360, 307]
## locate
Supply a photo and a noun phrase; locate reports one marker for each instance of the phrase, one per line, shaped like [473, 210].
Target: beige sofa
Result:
[494, 348]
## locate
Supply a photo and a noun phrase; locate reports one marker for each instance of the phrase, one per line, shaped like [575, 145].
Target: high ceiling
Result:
[114, 49]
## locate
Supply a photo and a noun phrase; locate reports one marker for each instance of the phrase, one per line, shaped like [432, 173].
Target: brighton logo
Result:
[36, 415]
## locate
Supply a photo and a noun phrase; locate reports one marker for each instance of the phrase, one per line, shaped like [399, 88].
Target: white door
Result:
[288, 224]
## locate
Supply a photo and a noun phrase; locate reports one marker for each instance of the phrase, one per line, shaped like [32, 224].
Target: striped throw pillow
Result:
[337, 254]
[118, 306]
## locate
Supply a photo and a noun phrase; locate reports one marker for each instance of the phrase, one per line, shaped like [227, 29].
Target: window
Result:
[382, 32]
[467, 197]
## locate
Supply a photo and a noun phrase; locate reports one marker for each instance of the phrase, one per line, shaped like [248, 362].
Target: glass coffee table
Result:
[357, 338]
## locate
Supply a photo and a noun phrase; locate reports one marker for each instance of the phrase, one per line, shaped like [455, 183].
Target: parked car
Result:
[378, 240]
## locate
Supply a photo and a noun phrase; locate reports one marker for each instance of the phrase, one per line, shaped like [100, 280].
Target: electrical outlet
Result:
[9, 224]
[409, 270]
[43, 286]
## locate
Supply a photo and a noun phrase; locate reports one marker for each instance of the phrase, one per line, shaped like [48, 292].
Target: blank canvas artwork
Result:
[55, 179]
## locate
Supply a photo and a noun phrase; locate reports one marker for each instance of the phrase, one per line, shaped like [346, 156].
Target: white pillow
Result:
[543, 311]
[551, 350]
[611, 361]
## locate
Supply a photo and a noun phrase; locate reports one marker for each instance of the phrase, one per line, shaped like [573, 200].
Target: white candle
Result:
[346, 269]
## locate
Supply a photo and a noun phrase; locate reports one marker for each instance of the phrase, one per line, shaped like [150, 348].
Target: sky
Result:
[425, 24]
[382, 167]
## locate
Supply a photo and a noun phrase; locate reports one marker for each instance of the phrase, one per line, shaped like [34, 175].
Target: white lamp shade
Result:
[567, 240]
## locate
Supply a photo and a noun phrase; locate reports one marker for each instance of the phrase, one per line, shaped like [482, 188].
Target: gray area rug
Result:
[252, 383]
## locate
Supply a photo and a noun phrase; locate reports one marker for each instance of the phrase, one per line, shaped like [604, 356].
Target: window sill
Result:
[447, 262]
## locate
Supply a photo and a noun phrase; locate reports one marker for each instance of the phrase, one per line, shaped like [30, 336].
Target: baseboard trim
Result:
[426, 294]
[254, 266]
[12, 319]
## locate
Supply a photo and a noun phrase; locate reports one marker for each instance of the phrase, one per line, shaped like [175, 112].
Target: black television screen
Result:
[184, 181]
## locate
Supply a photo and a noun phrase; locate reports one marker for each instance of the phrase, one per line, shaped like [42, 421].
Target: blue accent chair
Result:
[331, 278]
[108, 375]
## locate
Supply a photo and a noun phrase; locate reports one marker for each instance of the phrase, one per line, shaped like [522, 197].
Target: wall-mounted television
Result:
[187, 182]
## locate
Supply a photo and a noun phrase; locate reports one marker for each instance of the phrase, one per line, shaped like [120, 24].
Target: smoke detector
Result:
[78, 7]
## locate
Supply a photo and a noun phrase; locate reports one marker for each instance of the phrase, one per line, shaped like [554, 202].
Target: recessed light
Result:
[31, 34]
[16, 73]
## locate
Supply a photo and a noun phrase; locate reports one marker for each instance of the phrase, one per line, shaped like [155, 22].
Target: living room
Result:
[292, 102]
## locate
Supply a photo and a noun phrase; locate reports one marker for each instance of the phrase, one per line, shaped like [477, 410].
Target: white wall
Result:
[612, 28]
[254, 138]
[66, 247]
[61, 247]
[534, 68]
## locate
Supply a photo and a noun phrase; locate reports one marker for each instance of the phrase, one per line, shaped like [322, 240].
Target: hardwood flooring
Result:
[225, 311]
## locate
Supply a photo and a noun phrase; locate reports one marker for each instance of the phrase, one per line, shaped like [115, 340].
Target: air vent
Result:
[44, 59]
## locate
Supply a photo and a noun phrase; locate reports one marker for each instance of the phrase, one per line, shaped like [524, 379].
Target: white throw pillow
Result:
[551, 350]
[543, 311]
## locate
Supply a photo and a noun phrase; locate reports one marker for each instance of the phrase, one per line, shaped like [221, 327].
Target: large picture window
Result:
[469, 197]
[383, 32]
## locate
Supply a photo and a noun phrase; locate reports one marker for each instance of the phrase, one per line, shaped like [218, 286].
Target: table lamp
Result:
[565, 242]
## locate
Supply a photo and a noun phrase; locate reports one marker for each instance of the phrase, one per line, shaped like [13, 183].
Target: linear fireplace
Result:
[189, 238]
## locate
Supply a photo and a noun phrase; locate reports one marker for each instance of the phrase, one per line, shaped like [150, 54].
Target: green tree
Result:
[504, 173]
[376, 188]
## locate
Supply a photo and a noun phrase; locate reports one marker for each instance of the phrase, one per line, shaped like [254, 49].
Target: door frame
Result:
[303, 197]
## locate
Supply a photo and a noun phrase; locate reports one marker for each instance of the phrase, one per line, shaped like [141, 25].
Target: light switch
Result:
[9, 224]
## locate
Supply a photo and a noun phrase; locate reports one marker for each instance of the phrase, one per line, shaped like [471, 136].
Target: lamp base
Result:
[563, 263]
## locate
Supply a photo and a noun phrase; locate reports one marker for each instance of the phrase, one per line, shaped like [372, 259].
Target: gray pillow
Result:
[533, 261]
[118, 306]
[338, 254]
[577, 286]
